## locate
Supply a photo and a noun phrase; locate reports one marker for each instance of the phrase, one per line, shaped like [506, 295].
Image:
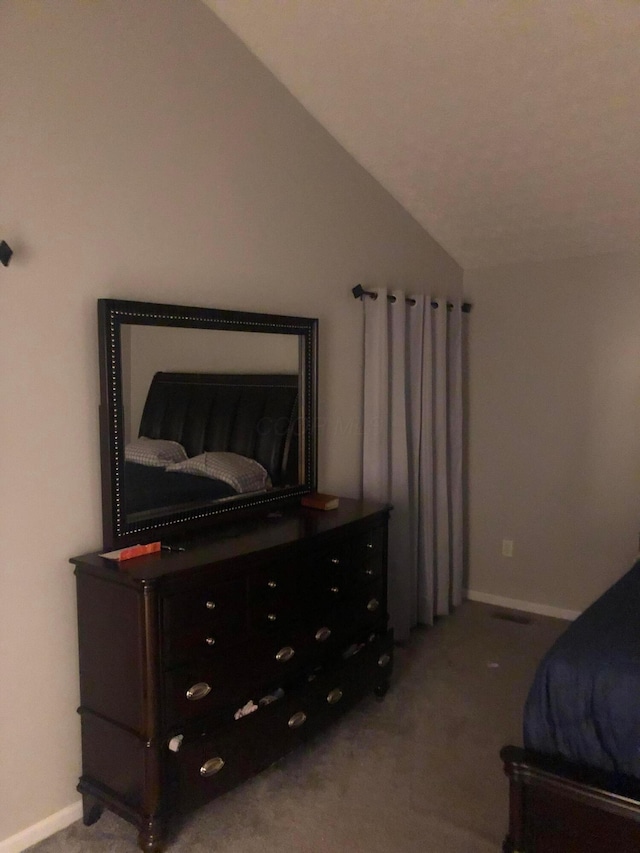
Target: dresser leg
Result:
[91, 809]
[150, 837]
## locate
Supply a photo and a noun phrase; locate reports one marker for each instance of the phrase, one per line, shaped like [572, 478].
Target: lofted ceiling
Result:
[510, 129]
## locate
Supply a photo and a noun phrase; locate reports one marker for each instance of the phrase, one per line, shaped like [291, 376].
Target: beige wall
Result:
[554, 427]
[145, 154]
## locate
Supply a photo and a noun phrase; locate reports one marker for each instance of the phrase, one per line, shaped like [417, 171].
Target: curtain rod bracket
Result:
[359, 292]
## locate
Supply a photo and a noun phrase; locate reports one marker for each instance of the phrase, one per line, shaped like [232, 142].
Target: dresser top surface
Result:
[241, 539]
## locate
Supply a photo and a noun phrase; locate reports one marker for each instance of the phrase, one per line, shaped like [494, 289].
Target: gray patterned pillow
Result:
[241, 473]
[157, 452]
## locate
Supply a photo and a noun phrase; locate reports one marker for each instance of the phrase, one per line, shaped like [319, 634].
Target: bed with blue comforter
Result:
[575, 787]
[584, 703]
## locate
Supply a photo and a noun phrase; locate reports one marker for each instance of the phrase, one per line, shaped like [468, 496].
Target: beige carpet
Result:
[418, 772]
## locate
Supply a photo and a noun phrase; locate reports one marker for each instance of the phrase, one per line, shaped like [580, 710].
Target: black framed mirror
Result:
[205, 414]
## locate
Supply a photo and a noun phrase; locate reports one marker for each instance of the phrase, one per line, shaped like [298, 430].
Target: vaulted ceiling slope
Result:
[510, 129]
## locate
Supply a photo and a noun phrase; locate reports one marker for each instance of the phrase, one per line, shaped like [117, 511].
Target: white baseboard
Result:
[43, 829]
[516, 604]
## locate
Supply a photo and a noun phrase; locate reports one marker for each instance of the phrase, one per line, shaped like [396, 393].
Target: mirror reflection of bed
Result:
[210, 391]
[206, 437]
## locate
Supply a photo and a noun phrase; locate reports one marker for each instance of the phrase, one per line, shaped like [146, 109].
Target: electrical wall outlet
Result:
[507, 547]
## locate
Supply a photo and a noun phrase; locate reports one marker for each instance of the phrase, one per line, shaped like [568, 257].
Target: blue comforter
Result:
[584, 703]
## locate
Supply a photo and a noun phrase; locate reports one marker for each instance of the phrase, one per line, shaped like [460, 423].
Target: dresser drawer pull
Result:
[335, 590]
[272, 584]
[210, 641]
[210, 605]
[198, 691]
[212, 766]
[285, 654]
[334, 696]
[369, 572]
[369, 546]
[373, 605]
[271, 617]
[335, 561]
[384, 659]
[323, 634]
[297, 719]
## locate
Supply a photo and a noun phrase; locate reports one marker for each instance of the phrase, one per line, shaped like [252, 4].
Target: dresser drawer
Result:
[367, 665]
[332, 579]
[221, 681]
[276, 583]
[370, 554]
[335, 560]
[286, 595]
[302, 620]
[208, 765]
[207, 615]
[276, 597]
[350, 563]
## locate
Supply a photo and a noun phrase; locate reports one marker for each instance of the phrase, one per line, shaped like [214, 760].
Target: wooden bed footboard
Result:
[555, 807]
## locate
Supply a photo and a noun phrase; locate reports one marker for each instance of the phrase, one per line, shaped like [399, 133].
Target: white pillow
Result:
[240, 472]
[158, 452]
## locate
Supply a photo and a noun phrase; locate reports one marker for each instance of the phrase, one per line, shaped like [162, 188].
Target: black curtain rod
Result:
[359, 292]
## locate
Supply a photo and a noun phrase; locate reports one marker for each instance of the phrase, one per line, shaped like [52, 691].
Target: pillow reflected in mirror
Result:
[241, 473]
[157, 452]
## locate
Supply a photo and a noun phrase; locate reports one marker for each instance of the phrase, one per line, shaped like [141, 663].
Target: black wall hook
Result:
[5, 254]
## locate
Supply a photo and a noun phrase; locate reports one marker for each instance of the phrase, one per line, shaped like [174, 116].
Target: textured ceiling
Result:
[510, 129]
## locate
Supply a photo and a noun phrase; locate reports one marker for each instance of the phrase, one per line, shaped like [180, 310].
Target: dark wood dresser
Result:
[287, 613]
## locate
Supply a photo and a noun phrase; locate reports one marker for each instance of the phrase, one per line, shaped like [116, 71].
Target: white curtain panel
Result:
[412, 449]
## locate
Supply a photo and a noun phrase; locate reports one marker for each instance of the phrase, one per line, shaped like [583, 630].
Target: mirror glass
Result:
[149, 349]
[217, 387]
